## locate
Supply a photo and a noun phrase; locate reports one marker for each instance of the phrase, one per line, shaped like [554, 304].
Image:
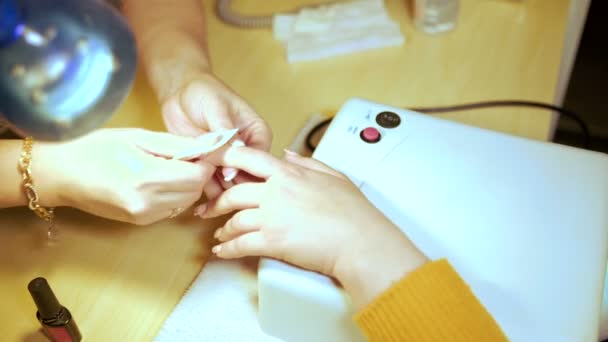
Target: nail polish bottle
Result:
[56, 320]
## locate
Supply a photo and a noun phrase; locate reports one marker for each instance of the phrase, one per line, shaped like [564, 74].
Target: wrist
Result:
[382, 259]
[169, 69]
[48, 182]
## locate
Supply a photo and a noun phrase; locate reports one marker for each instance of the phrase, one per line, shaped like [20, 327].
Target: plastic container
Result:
[436, 16]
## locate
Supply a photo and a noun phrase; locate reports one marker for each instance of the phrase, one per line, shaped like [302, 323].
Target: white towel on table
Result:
[220, 305]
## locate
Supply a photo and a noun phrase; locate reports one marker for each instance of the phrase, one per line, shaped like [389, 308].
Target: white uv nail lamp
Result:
[524, 222]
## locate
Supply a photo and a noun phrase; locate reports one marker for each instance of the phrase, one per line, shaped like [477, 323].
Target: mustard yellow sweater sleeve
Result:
[430, 304]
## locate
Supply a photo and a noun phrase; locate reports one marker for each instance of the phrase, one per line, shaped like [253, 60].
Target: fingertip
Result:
[213, 187]
[257, 133]
[200, 210]
[238, 143]
[217, 249]
[263, 136]
[224, 250]
[229, 173]
[262, 144]
[248, 244]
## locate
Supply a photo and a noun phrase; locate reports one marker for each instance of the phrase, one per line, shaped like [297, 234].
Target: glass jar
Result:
[435, 16]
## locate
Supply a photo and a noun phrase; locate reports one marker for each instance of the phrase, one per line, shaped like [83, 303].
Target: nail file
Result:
[206, 144]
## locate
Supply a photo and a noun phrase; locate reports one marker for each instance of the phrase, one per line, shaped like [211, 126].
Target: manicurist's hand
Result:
[173, 45]
[121, 174]
[204, 104]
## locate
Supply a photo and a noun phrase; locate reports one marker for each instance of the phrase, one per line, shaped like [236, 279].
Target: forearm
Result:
[11, 185]
[171, 40]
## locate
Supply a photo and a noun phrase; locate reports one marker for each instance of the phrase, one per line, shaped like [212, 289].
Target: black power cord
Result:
[478, 105]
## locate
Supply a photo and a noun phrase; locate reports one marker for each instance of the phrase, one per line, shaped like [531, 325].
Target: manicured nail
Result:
[238, 143]
[290, 153]
[218, 232]
[229, 173]
[200, 210]
[216, 249]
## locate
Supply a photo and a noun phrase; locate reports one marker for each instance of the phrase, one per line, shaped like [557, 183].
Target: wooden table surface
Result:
[121, 281]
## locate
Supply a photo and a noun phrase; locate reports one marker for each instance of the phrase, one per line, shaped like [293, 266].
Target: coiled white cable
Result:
[225, 13]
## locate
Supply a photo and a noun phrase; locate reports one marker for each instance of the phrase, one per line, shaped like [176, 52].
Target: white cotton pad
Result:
[207, 143]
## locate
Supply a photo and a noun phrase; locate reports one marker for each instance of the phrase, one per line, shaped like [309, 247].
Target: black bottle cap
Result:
[46, 302]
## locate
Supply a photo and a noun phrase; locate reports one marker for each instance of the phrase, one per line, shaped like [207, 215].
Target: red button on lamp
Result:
[370, 135]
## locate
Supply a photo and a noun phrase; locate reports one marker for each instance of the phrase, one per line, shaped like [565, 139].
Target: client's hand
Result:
[123, 174]
[309, 215]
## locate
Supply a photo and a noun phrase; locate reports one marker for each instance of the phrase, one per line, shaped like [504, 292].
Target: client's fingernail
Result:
[290, 152]
[238, 143]
[229, 173]
[218, 232]
[216, 249]
[200, 210]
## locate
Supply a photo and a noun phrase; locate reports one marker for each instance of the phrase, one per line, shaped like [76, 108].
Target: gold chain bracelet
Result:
[47, 215]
